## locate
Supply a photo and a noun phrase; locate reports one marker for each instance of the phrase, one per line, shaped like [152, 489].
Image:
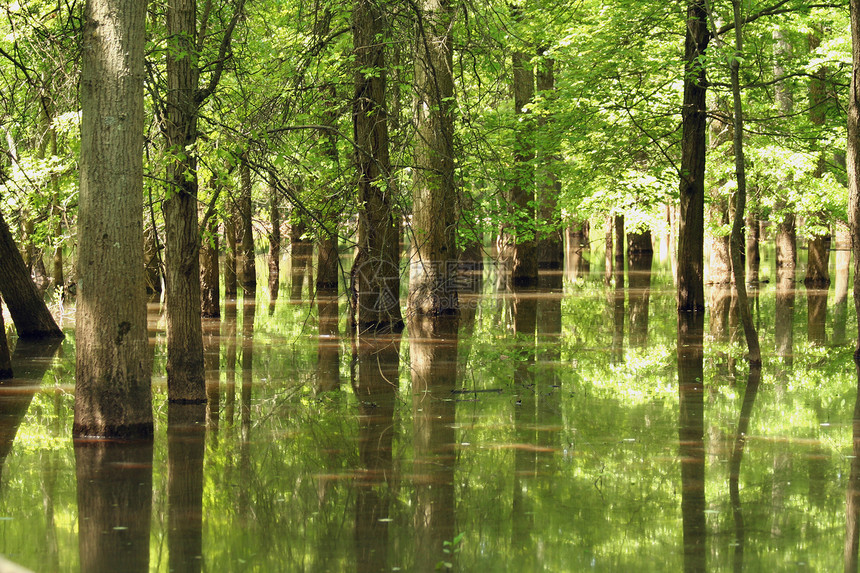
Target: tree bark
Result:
[209, 279]
[231, 284]
[840, 288]
[853, 155]
[741, 198]
[376, 269]
[524, 271]
[818, 262]
[433, 257]
[274, 243]
[753, 258]
[5, 359]
[691, 289]
[246, 207]
[113, 396]
[185, 380]
[29, 313]
[550, 246]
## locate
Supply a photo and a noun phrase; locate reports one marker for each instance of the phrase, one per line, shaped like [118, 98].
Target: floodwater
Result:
[578, 427]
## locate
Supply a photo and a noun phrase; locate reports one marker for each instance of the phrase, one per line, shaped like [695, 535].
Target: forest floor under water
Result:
[563, 429]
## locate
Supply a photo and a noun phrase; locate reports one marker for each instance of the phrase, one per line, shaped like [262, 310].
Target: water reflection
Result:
[640, 255]
[691, 432]
[750, 394]
[186, 438]
[376, 390]
[816, 305]
[525, 427]
[114, 505]
[433, 354]
[852, 529]
[328, 345]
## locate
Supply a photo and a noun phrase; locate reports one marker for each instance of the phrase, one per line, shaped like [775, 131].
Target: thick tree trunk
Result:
[185, 380]
[524, 270]
[433, 257]
[550, 246]
[113, 395]
[209, 287]
[786, 248]
[720, 267]
[691, 289]
[376, 270]
[5, 359]
[640, 256]
[29, 313]
[818, 262]
[853, 155]
[246, 208]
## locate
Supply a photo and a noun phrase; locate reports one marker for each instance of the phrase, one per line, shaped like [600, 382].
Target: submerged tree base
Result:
[125, 433]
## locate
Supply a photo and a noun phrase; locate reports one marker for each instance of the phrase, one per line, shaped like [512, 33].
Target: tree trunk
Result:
[753, 258]
[618, 266]
[29, 313]
[840, 294]
[376, 270]
[640, 256]
[786, 248]
[209, 287]
[274, 244]
[691, 289]
[818, 262]
[741, 198]
[853, 155]
[608, 250]
[433, 257]
[185, 380]
[524, 272]
[246, 208]
[231, 283]
[113, 394]
[550, 246]
[151, 260]
[5, 359]
[720, 267]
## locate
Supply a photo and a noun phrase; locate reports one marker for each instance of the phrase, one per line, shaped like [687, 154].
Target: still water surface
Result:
[582, 428]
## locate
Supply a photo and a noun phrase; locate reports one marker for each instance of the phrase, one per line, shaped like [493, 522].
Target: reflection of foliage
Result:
[600, 446]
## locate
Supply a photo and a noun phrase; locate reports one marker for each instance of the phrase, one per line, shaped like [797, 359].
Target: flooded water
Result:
[577, 427]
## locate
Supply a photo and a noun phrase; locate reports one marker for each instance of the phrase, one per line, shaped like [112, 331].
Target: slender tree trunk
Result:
[151, 258]
[328, 262]
[274, 244]
[840, 290]
[185, 380]
[691, 293]
[753, 258]
[29, 313]
[246, 207]
[433, 257]
[231, 283]
[376, 270]
[741, 198]
[113, 395]
[853, 155]
[608, 250]
[524, 272]
[209, 287]
[618, 266]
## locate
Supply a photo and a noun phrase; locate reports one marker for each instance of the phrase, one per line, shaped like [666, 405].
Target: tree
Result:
[853, 155]
[31, 316]
[376, 269]
[433, 263]
[113, 396]
[691, 290]
[5, 361]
